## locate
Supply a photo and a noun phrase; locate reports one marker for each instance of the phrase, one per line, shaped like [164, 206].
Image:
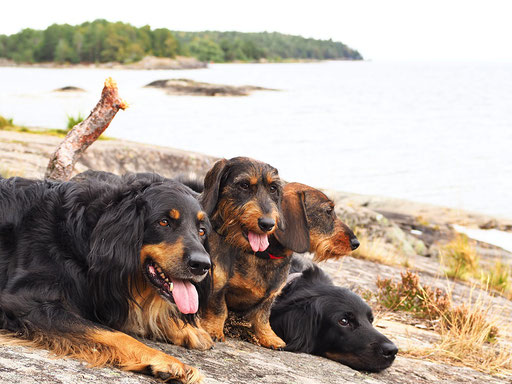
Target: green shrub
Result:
[72, 120]
[5, 122]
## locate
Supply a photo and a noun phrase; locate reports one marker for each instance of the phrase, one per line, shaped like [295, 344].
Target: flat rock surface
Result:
[233, 362]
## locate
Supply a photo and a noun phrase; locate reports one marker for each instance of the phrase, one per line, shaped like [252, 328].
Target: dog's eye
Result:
[344, 322]
[164, 222]
[329, 210]
[273, 189]
[202, 232]
[244, 185]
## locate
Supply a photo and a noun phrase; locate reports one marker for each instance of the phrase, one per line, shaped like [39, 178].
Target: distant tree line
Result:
[103, 41]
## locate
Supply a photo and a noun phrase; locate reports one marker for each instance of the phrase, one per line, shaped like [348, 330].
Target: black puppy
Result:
[314, 316]
[84, 264]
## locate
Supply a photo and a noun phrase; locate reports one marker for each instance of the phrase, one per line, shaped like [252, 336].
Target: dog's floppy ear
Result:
[296, 234]
[212, 184]
[114, 256]
[298, 323]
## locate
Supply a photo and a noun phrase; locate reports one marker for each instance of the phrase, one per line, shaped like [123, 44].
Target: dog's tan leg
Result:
[188, 336]
[261, 327]
[129, 354]
[215, 316]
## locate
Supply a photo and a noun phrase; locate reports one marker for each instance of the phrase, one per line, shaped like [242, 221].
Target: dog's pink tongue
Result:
[258, 242]
[185, 296]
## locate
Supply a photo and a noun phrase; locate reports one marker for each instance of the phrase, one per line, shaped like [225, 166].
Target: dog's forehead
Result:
[254, 173]
[175, 203]
[348, 302]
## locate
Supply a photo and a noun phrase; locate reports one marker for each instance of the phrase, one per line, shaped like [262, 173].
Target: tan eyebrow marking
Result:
[175, 214]
[201, 215]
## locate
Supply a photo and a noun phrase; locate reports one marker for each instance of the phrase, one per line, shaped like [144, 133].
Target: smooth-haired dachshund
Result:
[84, 264]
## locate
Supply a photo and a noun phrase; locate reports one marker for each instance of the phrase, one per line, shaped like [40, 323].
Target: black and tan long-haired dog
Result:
[253, 240]
[83, 264]
[314, 316]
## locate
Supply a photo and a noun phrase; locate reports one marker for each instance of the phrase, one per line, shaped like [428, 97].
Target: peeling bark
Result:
[82, 135]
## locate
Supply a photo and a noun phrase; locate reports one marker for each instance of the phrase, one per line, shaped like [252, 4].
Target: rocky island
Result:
[195, 88]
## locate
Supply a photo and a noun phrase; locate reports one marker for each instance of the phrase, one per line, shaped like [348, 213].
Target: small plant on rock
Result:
[460, 258]
[410, 296]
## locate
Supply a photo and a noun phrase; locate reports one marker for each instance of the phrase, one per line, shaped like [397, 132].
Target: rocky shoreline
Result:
[147, 63]
[411, 229]
[27, 154]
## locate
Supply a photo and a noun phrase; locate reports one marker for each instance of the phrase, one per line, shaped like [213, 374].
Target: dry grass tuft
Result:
[463, 263]
[498, 277]
[408, 295]
[469, 332]
[379, 251]
[7, 172]
[460, 258]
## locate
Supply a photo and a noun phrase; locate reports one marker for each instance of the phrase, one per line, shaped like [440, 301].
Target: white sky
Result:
[434, 30]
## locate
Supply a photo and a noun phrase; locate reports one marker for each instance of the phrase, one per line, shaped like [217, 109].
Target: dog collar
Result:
[267, 255]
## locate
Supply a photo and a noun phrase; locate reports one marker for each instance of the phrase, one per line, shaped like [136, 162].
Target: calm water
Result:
[437, 133]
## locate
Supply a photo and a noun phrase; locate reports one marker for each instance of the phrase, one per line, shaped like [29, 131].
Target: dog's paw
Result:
[198, 338]
[271, 341]
[218, 336]
[216, 332]
[168, 369]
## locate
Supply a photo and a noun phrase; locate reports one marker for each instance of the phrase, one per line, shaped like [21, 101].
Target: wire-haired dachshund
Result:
[314, 316]
[253, 240]
[82, 264]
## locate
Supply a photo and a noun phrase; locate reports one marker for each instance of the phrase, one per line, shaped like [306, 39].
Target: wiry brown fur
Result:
[239, 192]
[247, 283]
[313, 224]
[333, 245]
[235, 219]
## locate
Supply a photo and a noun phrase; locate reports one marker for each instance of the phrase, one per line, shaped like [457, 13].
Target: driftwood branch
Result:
[63, 160]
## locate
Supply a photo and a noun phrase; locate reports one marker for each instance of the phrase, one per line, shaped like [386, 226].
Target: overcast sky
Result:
[433, 30]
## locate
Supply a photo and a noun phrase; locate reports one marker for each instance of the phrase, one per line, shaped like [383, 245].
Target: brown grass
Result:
[462, 262]
[379, 251]
[469, 332]
[7, 172]
[460, 258]
[410, 296]
[498, 277]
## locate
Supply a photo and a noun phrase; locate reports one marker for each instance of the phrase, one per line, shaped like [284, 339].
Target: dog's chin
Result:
[177, 291]
[365, 363]
[373, 367]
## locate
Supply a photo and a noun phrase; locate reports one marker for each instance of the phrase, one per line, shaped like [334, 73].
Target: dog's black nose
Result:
[354, 243]
[389, 350]
[199, 263]
[266, 224]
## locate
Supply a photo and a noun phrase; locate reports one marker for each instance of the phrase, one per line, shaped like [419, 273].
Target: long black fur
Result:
[69, 250]
[308, 315]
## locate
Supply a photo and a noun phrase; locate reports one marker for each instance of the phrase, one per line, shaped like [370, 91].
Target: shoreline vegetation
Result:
[104, 43]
